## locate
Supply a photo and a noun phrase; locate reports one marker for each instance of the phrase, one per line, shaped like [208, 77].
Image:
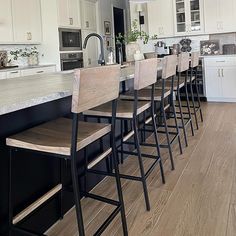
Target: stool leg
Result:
[193, 103]
[136, 138]
[122, 144]
[167, 136]
[10, 205]
[189, 110]
[198, 99]
[158, 147]
[176, 124]
[181, 117]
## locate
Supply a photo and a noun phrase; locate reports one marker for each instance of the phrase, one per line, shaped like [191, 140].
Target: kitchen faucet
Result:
[101, 59]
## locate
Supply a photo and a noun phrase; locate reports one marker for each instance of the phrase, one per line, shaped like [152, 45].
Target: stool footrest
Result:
[25, 231]
[28, 210]
[108, 221]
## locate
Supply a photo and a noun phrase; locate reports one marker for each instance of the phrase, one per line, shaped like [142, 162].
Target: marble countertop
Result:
[26, 67]
[24, 92]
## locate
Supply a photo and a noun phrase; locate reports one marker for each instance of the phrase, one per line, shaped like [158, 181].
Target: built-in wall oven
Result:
[70, 39]
[70, 61]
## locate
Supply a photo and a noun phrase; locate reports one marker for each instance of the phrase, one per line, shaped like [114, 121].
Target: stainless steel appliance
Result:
[70, 61]
[70, 39]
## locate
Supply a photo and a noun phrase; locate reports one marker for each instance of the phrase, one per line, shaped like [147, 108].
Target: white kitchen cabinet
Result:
[3, 75]
[40, 70]
[188, 17]
[13, 74]
[220, 16]
[160, 22]
[27, 24]
[6, 31]
[220, 79]
[69, 13]
[88, 10]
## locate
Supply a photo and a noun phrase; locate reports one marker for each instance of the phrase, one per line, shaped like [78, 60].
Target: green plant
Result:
[133, 35]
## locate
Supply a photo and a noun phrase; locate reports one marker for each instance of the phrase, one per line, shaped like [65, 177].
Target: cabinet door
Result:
[211, 16]
[160, 22]
[227, 15]
[38, 71]
[6, 31]
[13, 74]
[3, 75]
[27, 21]
[181, 18]
[74, 13]
[89, 15]
[213, 82]
[228, 82]
[63, 13]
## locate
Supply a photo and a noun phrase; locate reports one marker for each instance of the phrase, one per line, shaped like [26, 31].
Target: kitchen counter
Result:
[26, 67]
[24, 92]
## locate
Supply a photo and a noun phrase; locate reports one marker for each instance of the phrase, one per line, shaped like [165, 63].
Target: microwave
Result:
[70, 39]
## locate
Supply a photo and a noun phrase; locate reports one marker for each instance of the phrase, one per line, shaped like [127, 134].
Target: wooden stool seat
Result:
[124, 110]
[55, 136]
[145, 94]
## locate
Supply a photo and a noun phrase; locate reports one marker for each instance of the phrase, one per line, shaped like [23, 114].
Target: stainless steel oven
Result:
[70, 61]
[70, 39]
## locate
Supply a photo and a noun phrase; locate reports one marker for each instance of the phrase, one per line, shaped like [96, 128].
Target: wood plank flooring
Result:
[198, 199]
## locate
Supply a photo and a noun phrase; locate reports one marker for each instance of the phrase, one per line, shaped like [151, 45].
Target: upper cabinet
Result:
[160, 22]
[89, 15]
[27, 26]
[188, 17]
[69, 13]
[220, 16]
[6, 31]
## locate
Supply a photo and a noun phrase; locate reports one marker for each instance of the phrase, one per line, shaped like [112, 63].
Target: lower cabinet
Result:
[220, 79]
[27, 72]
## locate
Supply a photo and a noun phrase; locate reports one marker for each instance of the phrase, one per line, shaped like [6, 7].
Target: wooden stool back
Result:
[194, 59]
[95, 86]
[183, 62]
[169, 66]
[145, 73]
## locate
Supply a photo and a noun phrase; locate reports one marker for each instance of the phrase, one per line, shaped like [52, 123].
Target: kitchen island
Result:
[24, 103]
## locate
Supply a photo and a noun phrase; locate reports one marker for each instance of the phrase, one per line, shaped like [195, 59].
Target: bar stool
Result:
[145, 75]
[163, 96]
[64, 138]
[196, 104]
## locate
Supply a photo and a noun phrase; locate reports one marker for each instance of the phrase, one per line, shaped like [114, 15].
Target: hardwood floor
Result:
[198, 199]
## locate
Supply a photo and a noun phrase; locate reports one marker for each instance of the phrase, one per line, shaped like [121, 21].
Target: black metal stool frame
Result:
[75, 182]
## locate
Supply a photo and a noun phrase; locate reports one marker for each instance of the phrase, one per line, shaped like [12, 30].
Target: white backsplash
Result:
[21, 61]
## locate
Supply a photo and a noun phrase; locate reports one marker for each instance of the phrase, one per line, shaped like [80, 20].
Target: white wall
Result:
[50, 46]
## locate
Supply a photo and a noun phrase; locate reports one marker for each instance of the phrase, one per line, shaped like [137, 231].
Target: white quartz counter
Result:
[23, 92]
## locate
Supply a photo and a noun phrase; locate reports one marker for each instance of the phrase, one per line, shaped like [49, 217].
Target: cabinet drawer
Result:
[36, 71]
[13, 74]
[3, 75]
[220, 61]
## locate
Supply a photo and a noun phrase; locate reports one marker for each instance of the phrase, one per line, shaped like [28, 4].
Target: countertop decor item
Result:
[186, 45]
[210, 47]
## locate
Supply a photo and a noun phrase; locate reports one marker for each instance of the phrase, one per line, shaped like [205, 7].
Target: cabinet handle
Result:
[222, 72]
[220, 61]
[71, 21]
[41, 71]
[14, 72]
[218, 72]
[29, 36]
[87, 24]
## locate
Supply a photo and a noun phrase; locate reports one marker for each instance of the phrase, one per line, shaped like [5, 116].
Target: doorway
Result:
[119, 27]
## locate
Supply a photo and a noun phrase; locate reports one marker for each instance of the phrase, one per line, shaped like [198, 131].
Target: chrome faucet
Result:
[101, 59]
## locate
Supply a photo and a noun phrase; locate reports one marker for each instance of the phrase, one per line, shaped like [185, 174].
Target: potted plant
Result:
[130, 39]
